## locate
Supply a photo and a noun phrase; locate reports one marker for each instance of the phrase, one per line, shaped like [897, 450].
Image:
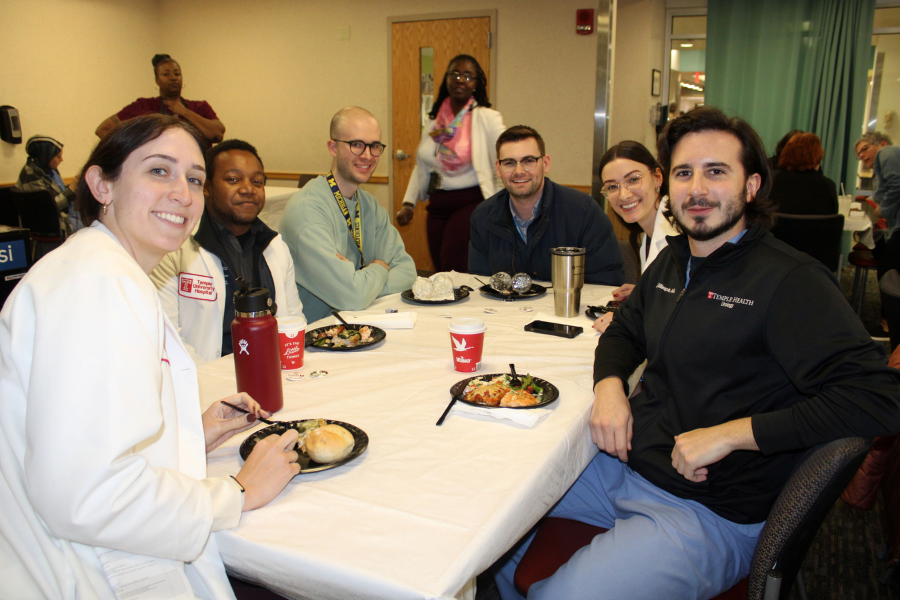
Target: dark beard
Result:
[701, 232]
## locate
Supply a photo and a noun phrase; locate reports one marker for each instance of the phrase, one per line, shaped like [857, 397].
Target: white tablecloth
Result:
[276, 199]
[425, 508]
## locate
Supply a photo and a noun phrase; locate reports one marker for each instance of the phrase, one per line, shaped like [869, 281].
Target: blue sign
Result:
[13, 255]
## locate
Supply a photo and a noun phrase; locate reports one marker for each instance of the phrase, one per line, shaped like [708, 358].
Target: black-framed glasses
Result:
[357, 147]
[508, 165]
[454, 75]
[632, 183]
[862, 150]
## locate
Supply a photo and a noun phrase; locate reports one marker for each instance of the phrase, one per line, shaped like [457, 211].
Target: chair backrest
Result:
[305, 178]
[38, 212]
[8, 213]
[817, 235]
[890, 304]
[799, 510]
[631, 262]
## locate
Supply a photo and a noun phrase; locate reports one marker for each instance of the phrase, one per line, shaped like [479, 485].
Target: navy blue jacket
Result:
[566, 217]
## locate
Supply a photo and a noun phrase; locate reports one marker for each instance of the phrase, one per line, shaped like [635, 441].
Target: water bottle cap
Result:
[251, 300]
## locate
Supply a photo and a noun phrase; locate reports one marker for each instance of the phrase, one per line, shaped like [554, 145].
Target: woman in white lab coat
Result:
[103, 449]
[634, 186]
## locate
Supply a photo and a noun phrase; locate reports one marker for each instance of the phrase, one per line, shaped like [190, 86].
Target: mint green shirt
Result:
[315, 231]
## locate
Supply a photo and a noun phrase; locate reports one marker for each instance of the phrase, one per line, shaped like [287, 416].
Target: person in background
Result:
[741, 378]
[455, 163]
[197, 282]
[169, 102]
[103, 459]
[799, 187]
[346, 251]
[773, 160]
[514, 230]
[634, 186]
[41, 173]
[875, 151]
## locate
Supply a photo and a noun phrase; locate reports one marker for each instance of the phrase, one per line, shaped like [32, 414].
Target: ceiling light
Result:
[687, 45]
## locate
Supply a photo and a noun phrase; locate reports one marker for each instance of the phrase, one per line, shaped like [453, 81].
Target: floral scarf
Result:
[453, 136]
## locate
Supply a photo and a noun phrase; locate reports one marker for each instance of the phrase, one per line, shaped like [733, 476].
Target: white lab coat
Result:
[661, 228]
[198, 317]
[487, 125]
[101, 439]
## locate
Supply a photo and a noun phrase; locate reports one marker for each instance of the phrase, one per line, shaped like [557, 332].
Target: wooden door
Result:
[447, 38]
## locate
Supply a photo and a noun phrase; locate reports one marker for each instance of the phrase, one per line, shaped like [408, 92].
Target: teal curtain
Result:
[793, 64]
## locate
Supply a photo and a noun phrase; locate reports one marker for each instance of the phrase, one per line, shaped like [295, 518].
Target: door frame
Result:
[492, 84]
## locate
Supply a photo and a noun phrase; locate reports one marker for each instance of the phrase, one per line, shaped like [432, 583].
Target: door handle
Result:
[400, 155]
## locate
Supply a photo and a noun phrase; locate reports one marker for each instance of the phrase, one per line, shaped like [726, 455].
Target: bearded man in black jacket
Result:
[753, 357]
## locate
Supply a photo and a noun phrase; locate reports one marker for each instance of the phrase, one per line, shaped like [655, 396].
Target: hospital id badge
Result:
[434, 182]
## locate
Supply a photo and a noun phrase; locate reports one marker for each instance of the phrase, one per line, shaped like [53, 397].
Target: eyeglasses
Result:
[357, 147]
[862, 150]
[454, 75]
[508, 165]
[632, 184]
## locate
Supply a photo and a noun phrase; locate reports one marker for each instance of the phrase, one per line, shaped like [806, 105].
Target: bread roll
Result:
[329, 443]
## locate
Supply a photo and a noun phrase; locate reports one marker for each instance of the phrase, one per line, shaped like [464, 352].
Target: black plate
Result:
[458, 293]
[378, 334]
[535, 291]
[551, 393]
[308, 465]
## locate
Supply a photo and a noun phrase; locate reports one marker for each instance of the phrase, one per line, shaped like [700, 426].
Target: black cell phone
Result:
[566, 331]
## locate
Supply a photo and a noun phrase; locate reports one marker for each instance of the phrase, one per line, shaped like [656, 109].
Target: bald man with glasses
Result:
[514, 230]
[346, 251]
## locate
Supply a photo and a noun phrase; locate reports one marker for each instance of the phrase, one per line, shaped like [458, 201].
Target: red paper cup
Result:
[291, 337]
[467, 343]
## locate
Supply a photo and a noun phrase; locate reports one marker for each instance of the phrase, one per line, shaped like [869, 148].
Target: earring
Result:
[105, 208]
[657, 189]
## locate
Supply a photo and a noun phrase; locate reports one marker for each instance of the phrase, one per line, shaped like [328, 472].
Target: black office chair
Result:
[890, 304]
[8, 213]
[631, 262]
[39, 213]
[817, 235]
[305, 178]
[793, 521]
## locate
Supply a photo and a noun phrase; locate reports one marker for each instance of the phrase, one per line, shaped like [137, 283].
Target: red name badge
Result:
[197, 287]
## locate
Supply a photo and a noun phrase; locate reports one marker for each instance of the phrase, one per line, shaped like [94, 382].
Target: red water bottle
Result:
[257, 356]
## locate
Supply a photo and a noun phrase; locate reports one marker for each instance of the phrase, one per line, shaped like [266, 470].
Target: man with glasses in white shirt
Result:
[346, 251]
[514, 230]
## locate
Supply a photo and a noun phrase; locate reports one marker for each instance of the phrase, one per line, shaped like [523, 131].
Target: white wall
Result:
[639, 48]
[889, 95]
[276, 70]
[69, 64]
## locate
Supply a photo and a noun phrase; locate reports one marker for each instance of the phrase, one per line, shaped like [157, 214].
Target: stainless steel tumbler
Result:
[567, 274]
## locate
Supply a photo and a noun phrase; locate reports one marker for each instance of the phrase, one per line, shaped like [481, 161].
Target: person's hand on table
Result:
[603, 322]
[270, 466]
[405, 215]
[611, 420]
[220, 422]
[697, 449]
[622, 292]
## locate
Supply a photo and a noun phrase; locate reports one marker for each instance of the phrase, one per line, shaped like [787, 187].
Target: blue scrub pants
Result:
[658, 546]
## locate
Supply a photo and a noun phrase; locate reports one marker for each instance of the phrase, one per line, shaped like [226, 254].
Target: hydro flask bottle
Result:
[254, 337]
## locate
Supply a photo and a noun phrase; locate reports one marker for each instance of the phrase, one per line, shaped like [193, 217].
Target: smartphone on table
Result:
[566, 331]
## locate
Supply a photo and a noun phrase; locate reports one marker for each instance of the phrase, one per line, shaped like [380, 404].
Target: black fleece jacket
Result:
[761, 331]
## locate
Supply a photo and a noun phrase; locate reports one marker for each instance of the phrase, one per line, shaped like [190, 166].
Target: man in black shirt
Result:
[197, 282]
[753, 356]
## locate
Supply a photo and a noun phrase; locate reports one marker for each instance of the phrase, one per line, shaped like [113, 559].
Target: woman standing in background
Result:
[169, 102]
[455, 163]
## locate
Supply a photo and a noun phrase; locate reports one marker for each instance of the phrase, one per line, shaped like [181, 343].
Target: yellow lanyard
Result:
[356, 232]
